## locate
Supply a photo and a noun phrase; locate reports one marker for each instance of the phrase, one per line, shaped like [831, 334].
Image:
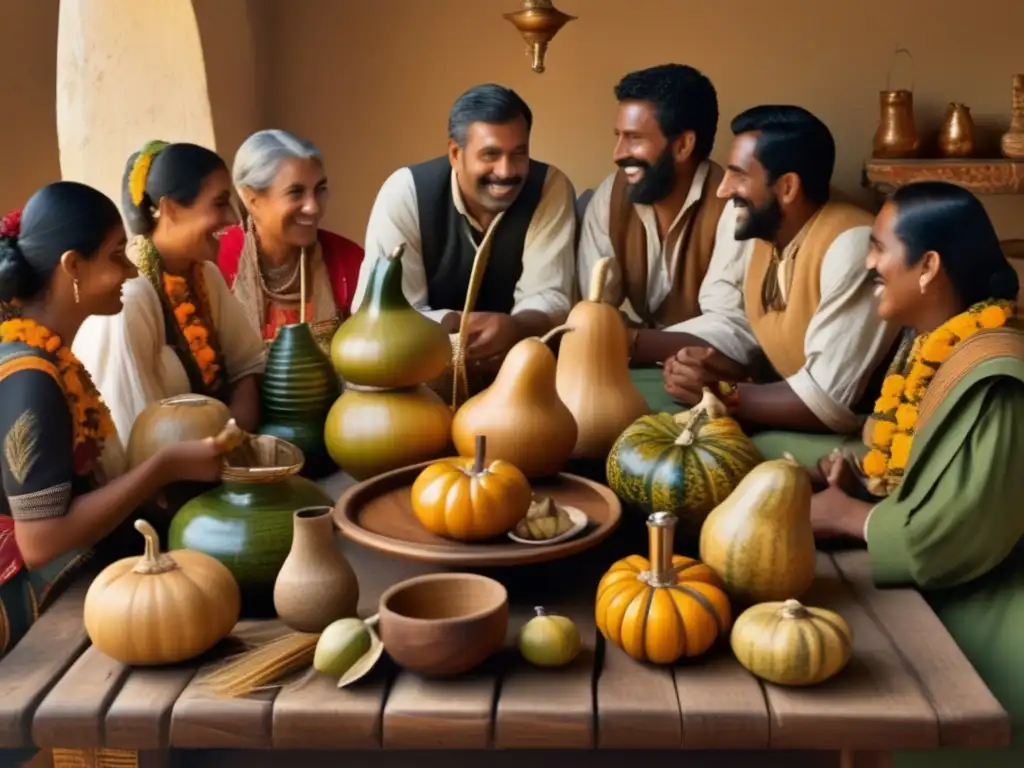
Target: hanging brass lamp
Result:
[538, 22]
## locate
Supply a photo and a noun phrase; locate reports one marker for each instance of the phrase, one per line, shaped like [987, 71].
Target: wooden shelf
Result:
[993, 176]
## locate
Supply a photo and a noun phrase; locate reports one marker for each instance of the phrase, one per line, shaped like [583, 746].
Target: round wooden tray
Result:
[377, 513]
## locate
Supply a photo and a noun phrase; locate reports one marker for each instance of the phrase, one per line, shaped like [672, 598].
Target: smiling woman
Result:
[181, 330]
[282, 183]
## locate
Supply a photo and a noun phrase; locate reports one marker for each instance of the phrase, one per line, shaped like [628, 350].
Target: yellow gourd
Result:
[663, 608]
[788, 644]
[549, 640]
[468, 500]
[759, 540]
[162, 607]
[525, 422]
[593, 372]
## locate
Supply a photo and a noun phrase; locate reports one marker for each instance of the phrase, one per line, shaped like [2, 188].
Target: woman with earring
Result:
[181, 329]
[936, 497]
[63, 492]
[282, 183]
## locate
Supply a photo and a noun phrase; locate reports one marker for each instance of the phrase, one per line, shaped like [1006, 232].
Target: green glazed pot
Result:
[246, 522]
[298, 389]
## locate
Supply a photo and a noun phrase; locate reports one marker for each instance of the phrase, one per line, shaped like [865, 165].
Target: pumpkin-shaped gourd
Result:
[760, 539]
[465, 499]
[162, 607]
[789, 644]
[663, 608]
[174, 420]
[685, 463]
[549, 640]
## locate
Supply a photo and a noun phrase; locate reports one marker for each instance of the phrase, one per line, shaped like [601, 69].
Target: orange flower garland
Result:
[92, 421]
[190, 322]
[896, 410]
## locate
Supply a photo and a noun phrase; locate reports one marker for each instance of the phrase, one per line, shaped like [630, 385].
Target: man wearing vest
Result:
[801, 297]
[658, 215]
[442, 208]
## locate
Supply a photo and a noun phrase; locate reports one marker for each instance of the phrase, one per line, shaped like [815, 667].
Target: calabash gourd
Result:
[387, 343]
[686, 463]
[789, 644]
[525, 422]
[470, 500]
[174, 420]
[759, 540]
[662, 608]
[162, 607]
[549, 640]
[593, 372]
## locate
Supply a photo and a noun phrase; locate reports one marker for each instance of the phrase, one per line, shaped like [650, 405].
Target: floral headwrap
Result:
[140, 170]
[10, 225]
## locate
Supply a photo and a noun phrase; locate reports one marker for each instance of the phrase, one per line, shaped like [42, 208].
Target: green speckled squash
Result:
[685, 463]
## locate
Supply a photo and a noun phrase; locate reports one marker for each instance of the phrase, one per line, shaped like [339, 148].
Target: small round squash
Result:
[788, 644]
[663, 608]
[464, 500]
[549, 640]
[162, 607]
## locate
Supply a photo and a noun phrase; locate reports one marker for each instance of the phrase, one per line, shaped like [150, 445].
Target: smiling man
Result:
[800, 300]
[442, 209]
[658, 215]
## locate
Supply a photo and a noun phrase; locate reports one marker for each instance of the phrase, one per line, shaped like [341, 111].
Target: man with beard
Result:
[442, 208]
[658, 215]
[801, 299]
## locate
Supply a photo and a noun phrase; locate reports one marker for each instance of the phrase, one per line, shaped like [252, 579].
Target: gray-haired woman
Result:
[282, 183]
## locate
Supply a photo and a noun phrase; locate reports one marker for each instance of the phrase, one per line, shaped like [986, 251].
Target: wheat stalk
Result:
[260, 668]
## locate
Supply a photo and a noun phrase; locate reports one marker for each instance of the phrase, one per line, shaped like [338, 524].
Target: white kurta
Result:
[129, 358]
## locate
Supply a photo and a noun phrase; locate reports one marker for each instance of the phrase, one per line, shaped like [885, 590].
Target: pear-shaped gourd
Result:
[593, 372]
[387, 343]
[759, 540]
[525, 422]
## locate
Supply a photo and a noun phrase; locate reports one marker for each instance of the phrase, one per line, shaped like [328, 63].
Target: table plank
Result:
[637, 705]
[721, 704]
[139, 717]
[969, 715]
[875, 701]
[34, 665]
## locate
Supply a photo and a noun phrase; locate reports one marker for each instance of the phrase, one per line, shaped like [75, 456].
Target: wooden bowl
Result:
[443, 623]
[377, 513]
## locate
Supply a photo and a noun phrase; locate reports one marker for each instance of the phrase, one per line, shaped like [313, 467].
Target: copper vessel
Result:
[896, 135]
[538, 22]
[1013, 140]
[956, 134]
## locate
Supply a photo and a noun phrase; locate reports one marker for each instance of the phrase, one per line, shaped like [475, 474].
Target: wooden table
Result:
[908, 686]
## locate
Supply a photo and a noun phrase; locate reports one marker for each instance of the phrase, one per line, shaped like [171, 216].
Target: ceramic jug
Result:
[316, 585]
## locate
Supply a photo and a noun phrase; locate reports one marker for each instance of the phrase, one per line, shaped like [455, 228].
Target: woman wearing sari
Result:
[61, 260]
[937, 495]
[181, 330]
[281, 181]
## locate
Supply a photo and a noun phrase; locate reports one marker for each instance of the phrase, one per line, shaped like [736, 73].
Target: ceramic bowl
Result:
[443, 623]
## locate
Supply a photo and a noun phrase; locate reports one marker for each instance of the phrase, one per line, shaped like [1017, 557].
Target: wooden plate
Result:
[377, 513]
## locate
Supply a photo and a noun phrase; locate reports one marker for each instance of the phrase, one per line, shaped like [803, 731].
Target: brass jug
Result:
[956, 134]
[896, 135]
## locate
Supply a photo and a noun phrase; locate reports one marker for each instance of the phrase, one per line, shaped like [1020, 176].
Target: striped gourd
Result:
[662, 608]
[685, 463]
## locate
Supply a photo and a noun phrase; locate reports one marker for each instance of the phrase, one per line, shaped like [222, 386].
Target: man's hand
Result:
[490, 334]
[693, 368]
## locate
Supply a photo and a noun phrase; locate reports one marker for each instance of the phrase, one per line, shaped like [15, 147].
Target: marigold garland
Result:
[139, 173]
[92, 421]
[896, 410]
[192, 326]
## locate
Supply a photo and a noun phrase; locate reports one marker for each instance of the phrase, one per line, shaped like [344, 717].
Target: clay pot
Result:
[443, 623]
[316, 585]
[246, 521]
[298, 388]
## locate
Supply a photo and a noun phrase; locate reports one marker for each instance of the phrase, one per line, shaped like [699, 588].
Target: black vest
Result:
[448, 254]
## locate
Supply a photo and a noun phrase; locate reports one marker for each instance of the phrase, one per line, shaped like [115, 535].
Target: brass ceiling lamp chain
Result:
[538, 22]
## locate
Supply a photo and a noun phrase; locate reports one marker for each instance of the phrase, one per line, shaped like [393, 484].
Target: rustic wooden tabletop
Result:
[907, 686]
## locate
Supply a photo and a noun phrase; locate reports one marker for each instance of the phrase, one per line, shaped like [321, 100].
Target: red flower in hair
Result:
[10, 225]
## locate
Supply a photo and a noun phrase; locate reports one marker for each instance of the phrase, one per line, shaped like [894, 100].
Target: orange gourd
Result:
[663, 608]
[463, 499]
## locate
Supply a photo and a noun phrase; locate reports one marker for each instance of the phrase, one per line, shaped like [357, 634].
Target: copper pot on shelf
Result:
[896, 136]
[956, 134]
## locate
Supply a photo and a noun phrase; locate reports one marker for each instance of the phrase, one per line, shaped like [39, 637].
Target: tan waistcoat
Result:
[629, 243]
[781, 333]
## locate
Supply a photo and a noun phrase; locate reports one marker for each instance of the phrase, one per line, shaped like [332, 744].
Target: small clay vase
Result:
[956, 134]
[316, 585]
